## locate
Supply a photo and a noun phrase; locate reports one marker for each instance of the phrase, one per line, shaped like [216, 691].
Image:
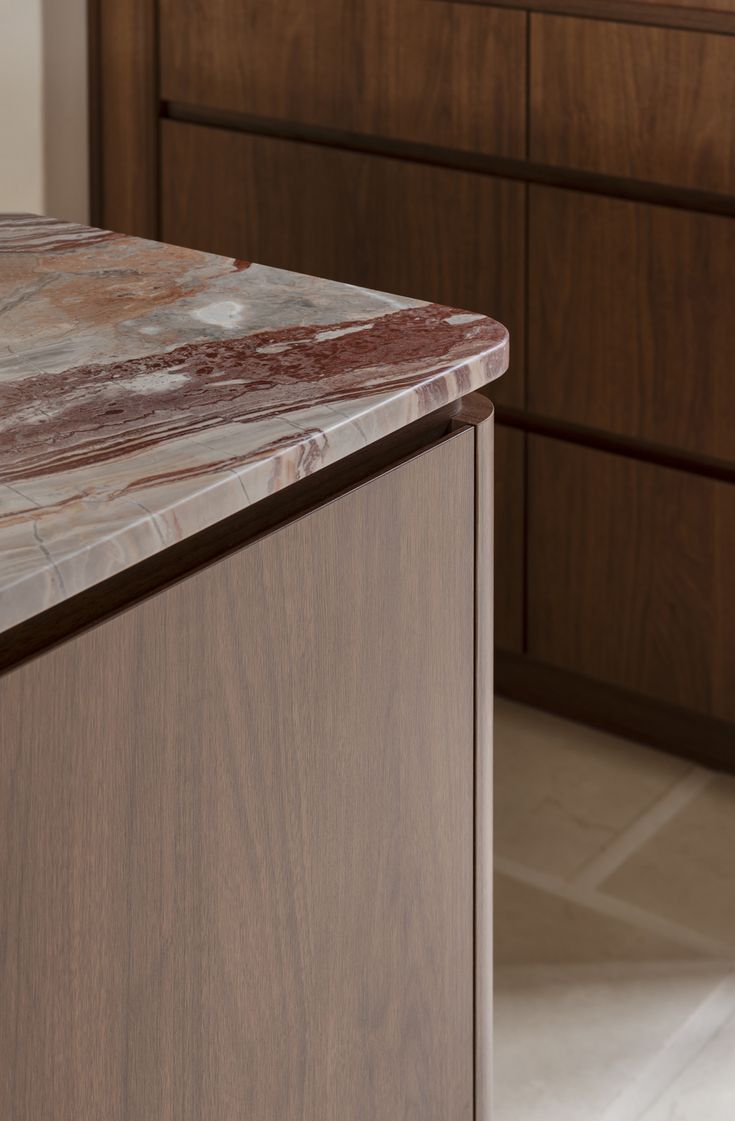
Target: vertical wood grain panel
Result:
[439, 234]
[236, 851]
[484, 592]
[630, 575]
[632, 329]
[124, 69]
[440, 73]
[477, 411]
[443, 74]
[649, 103]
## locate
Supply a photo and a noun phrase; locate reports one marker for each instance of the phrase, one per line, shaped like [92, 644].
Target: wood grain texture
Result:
[509, 537]
[703, 15]
[632, 331]
[645, 102]
[397, 226]
[630, 575]
[124, 66]
[484, 653]
[477, 412]
[449, 75]
[236, 852]
[693, 5]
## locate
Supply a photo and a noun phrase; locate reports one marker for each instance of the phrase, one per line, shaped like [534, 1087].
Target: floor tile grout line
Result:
[618, 969]
[614, 908]
[601, 866]
[678, 1053]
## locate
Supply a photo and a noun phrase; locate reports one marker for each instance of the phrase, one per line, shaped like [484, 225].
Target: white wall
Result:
[43, 107]
[21, 106]
[66, 133]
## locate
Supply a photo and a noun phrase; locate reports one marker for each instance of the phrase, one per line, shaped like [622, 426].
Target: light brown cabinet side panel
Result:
[439, 234]
[440, 73]
[631, 328]
[630, 575]
[509, 537]
[236, 831]
[649, 103]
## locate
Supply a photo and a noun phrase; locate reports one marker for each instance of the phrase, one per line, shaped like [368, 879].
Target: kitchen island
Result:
[245, 702]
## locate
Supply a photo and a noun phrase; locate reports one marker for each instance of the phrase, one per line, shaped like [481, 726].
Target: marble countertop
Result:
[147, 392]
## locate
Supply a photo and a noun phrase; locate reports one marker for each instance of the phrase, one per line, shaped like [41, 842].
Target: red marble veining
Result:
[147, 391]
[89, 423]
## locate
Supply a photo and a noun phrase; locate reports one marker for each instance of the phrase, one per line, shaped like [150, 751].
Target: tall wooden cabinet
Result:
[567, 166]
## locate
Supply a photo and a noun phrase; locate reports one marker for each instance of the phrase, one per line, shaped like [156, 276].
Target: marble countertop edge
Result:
[148, 392]
[224, 496]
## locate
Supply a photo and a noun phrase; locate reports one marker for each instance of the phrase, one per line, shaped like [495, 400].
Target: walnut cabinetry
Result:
[631, 575]
[651, 103]
[632, 330]
[440, 73]
[510, 547]
[567, 166]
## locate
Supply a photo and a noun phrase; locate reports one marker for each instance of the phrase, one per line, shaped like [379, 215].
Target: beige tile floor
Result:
[614, 928]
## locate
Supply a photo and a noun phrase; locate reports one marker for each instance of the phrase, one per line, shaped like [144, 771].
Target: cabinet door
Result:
[440, 73]
[631, 575]
[647, 103]
[236, 830]
[450, 236]
[632, 328]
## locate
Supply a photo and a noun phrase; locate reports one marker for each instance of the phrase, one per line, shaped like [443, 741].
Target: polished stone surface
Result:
[686, 870]
[580, 793]
[148, 391]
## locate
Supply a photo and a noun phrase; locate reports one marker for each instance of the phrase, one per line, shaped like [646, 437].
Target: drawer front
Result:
[509, 536]
[449, 236]
[439, 73]
[649, 103]
[632, 328]
[630, 575]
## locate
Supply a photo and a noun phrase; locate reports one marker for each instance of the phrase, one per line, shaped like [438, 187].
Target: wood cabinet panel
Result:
[236, 830]
[693, 5]
[703, 15]
[631, 327]
[649, 103]
[124, 110]
[450, 236]
[440, 73]
[631, 575]
[509, 536]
